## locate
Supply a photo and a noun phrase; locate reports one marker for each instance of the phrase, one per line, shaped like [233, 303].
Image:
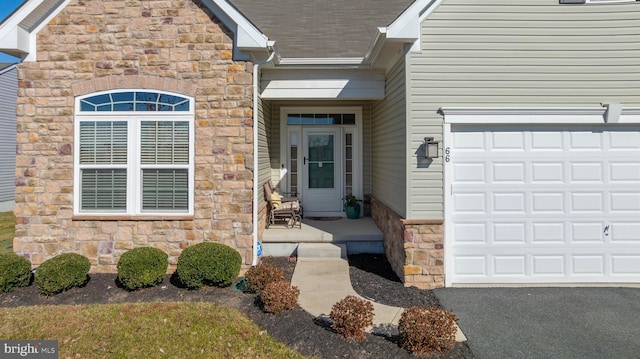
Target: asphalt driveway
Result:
[547, 322]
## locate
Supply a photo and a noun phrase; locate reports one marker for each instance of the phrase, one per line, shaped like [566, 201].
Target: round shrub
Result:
[259, 276]
[142, 267]
[423, 330]
[279, 296]
[62, 272]
[351, 316]
[15, 271]
[208, 264]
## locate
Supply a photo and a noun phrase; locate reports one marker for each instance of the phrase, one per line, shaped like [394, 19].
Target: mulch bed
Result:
[371, 277]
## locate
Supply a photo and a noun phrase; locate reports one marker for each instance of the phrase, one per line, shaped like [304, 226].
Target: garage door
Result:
[551, 204]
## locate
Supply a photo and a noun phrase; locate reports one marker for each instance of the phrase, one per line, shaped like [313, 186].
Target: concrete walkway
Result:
[324, 281]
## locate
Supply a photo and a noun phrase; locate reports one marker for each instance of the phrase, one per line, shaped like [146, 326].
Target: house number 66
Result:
[447, 154]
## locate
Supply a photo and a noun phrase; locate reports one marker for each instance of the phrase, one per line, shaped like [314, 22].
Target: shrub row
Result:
[203, 264]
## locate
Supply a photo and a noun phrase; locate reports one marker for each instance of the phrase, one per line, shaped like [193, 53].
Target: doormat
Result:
[324, 218]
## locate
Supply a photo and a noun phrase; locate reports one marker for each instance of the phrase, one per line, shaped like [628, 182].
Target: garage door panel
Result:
[625, 265]
[544, 205]
[625, 202]
[588, 265]
[625, 231]
[547, 202]
[625, 172]
[587, 202]
[586, 172]
[547, 172]
[510, 265]
[546, 141]
[509, 233]
[508, 172]
[587, 232]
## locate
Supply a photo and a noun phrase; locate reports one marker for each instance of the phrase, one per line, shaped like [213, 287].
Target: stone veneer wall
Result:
[414, 248]
[93, 46]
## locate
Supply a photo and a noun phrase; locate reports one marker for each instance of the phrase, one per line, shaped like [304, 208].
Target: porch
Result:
[359, 235]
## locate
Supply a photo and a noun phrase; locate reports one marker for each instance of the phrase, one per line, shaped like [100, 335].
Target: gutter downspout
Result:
[256, 91]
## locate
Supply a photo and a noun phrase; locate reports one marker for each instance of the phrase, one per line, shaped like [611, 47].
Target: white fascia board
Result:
[630, 115]
[308, 61]
[408, 25]
[247, 36]
[575, 115]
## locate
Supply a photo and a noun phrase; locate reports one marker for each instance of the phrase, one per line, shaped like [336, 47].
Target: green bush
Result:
[208, 264]
[279, 296]
[351, 316]
[261, 275]
[15, 271]
[424, 330]
[62, 272]
[142, 267]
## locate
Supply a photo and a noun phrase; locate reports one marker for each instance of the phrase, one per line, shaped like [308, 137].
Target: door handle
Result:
[304, 160]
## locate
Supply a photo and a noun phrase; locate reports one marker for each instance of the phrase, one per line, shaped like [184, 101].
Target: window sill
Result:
[96, 217]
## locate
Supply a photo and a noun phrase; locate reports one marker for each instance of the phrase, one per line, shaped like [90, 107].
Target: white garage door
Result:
[550, 204]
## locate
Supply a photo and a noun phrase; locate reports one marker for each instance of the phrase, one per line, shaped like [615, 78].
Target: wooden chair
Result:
[282, 209]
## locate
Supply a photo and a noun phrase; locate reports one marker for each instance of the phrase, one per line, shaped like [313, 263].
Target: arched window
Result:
[134, 154]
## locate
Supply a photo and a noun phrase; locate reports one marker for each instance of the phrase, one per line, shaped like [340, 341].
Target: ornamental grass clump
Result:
[351, 316]
[142, 267]
[260, 276]
[15, 272]
[279, 296]
[62, 272]
[208, 263]
[424, 330]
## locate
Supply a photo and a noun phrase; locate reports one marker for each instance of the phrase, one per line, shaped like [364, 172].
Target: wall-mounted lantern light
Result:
[430, 147]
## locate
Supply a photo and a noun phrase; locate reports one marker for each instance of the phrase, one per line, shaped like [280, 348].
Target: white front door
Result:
[321, 171]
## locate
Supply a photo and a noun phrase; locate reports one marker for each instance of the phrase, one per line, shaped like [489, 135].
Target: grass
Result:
[143, 330]
[7, 231]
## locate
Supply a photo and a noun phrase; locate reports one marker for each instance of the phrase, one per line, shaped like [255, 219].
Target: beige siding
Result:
[524, 53]
[264, 157]
[388, 137]
[274, 139]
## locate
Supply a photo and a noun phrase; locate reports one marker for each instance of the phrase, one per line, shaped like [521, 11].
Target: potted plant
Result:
[351, 206]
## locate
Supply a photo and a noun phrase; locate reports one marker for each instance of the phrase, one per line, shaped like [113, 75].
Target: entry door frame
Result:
[289, 133]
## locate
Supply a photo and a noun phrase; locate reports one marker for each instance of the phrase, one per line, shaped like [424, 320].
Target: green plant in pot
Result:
[351, 206]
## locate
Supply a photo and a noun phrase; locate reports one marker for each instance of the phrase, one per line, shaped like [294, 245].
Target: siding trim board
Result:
[612, 113]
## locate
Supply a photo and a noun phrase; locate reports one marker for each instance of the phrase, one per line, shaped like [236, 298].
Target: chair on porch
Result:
[282, 209]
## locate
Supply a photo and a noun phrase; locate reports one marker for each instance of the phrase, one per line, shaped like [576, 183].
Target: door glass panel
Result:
[321, 161]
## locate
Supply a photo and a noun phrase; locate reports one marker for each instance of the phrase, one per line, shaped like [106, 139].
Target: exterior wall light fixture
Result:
[430, 147]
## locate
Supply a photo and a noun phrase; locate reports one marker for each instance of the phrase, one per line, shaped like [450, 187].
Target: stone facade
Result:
[414, 248]
[92, 46]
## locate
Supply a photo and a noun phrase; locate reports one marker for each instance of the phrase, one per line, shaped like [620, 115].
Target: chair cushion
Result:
[276, 200]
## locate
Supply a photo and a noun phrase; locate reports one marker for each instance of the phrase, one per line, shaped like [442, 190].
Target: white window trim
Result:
[133, 119]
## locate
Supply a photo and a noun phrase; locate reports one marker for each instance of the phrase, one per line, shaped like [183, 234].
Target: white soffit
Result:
[566, 115]
[322, 84]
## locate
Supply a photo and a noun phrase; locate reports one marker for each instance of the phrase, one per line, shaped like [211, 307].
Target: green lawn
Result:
[143, 330]
[7, 230]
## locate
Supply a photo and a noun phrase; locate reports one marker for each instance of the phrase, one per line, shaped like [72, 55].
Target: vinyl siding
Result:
[8, 96]
[525, 53]
[388, 138]
[264, 168]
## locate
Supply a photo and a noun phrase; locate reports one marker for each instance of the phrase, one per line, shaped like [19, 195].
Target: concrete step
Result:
[321, 250]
